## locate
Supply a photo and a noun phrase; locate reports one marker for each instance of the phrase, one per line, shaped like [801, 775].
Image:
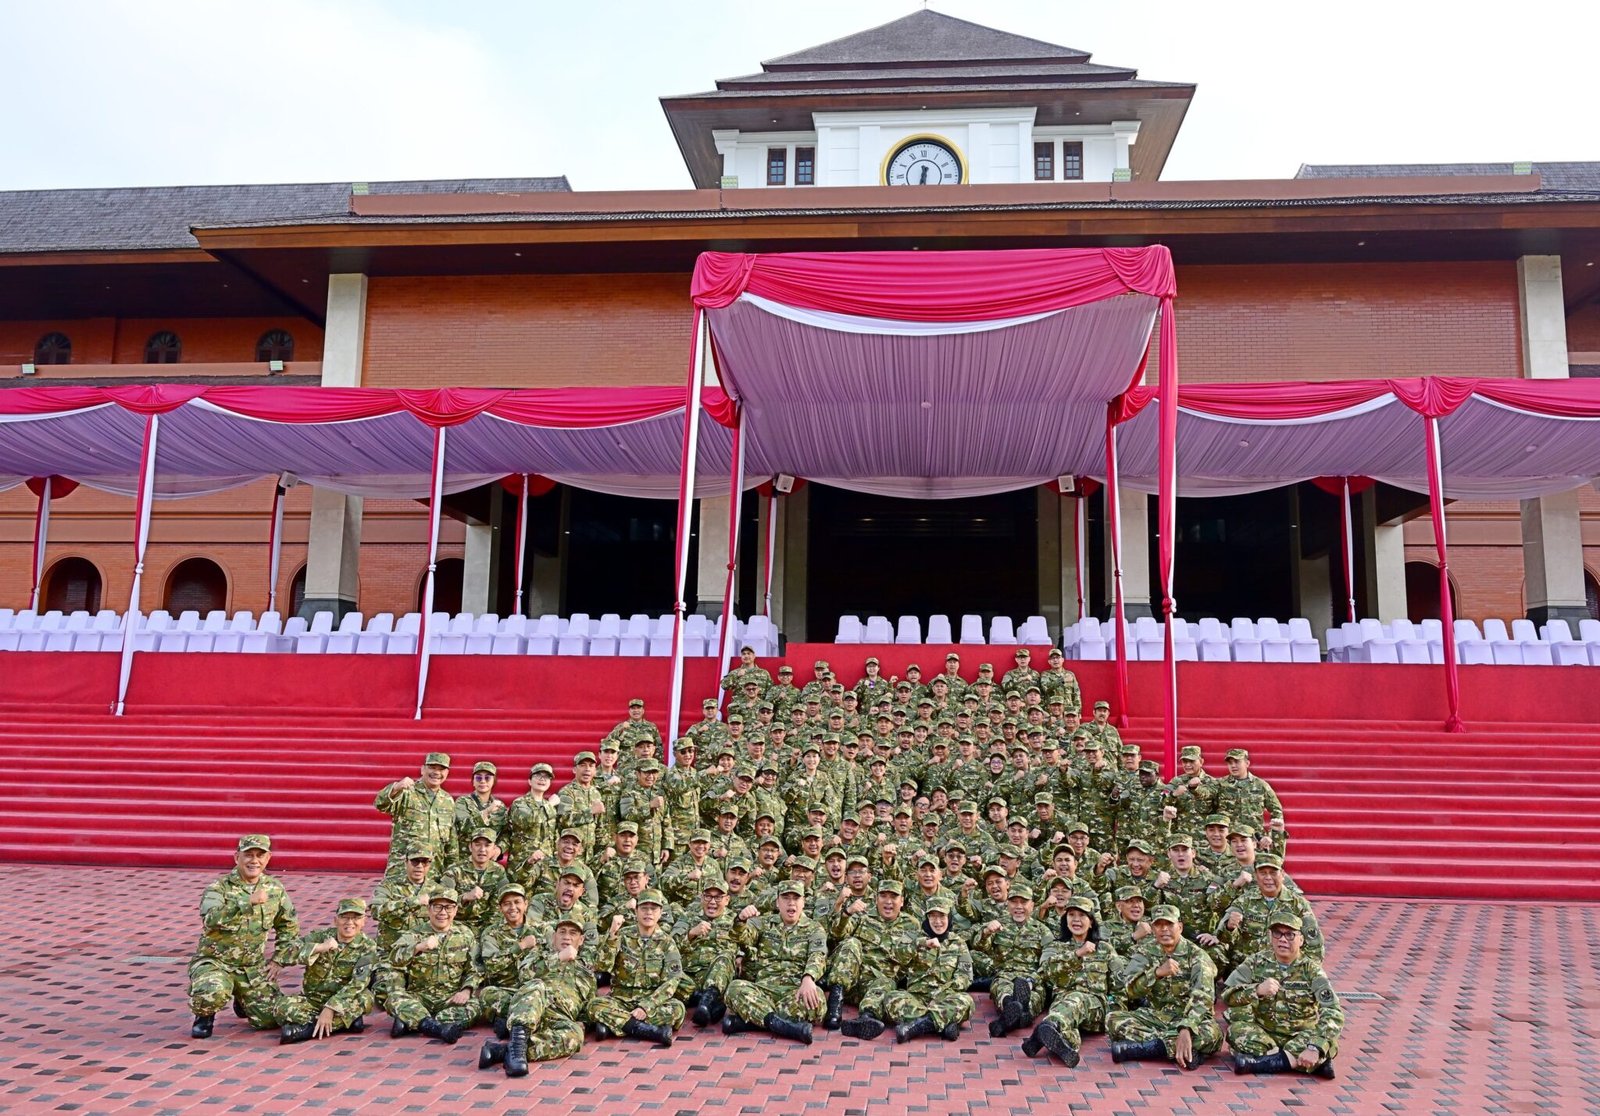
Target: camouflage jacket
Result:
[777, 956]
[421, 817]
[1016, 946]
[234, 930]
[441, 972]
[1095, 974]
[1185, 1000]
[645, 970]
[338, 979]
[1305, 1001]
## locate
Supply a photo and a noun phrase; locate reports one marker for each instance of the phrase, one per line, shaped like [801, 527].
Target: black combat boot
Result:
[1017, 1011]
[358, 1025]
[784, 1027]
[1324, 1069]
[295, 1032]
[980, 984]
[1149, 1050]
[915, 1028]
[450, 1033]
[716, 1006]
[650, 1032]
[398, 1028]
[698, 1008]
[1049, 1036]
[864, 1026]
[517, 1053]
[501, 1030]
[202, 1026]
[602, 1032]
[835, 1007]
[1031, 1046]
[491, 1054]
[1276, 1062]
[429, 1027]
[951, 1032]
[733, 1025]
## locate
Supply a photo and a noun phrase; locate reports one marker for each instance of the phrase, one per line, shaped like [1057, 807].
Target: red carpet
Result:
[1380, 800]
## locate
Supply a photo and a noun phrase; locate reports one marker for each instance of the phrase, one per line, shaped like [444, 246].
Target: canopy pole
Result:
[141, 539]
[725, 648]
[772, 548]
[41, 535]
[436, 499]
[698, 346]
[1167, 532]
[275, 545]
[1082, 513]
[1447, 612]
[1347, 539]
[522, 540]
[1118, 616]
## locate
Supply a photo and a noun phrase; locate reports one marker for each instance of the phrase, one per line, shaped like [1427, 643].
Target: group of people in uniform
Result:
[899, 846]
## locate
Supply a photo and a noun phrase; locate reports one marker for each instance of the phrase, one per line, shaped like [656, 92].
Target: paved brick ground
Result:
[1453, 1008]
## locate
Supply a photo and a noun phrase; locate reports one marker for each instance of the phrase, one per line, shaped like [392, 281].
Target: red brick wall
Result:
[1583, 329]
[122, 341]
[527, 331]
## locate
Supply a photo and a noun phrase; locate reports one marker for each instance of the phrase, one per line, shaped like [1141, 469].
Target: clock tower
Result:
[928, 100]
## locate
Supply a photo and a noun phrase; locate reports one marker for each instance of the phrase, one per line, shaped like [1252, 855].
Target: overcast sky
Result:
[160, 92]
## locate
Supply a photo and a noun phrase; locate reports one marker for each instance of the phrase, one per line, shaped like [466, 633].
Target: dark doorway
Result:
[71, 585]
[1236, 556]
[196, 585]
[448, 576]
[1422, 592]
[877, 555]
[619, 554]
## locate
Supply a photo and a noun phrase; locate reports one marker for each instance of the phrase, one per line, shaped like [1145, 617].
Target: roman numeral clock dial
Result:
[923, 162]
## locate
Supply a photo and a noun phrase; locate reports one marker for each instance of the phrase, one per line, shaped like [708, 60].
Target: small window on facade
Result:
[1044, 162]
[53, 348]
[163, 348]
[1072, 160]
[805, 166]
[777, 166]
[275, 344]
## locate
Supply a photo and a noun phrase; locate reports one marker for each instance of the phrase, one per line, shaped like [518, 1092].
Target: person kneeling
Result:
[784, 958]
[1283, 1014]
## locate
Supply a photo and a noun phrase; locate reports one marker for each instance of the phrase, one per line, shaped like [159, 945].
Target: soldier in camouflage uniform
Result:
[438, 971]
[423, 814]
[337, 989]
[1016, 944]
[1099, 728]
[581, 804]
[680, 786]
[645, 806]
[1168, 992]
[936, 969]
[1191, 794]
[1216, 856]
[501, 947]
[1021, 676]
[1242, 930]
[546, 1016]
[1128, 927]
[746, 671]
[705, 940]
[627, 733]
[870, 942]
[1245, 798]
[400, 903]
[1059, 682]
[785, 955]
[1141, 813]
[531, 826]
[645, 969]
[1283, 1014]
[230, 961]
[1090, 787]
[480, 810]
[1189, 887]
[477, 880]
[1081, 974]
[709, 731]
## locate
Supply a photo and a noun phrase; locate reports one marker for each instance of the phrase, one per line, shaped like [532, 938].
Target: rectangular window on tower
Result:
[777, 166]
[805, 166]
[1072, 160]
[1044, 162]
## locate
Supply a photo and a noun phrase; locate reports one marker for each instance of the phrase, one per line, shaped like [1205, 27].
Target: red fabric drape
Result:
[1167, 519]
[1118, 612]
[537, 485]
[1447, 613]
[935, 286]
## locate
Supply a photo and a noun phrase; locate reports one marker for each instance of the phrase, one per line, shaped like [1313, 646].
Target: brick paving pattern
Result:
[1452, 1008]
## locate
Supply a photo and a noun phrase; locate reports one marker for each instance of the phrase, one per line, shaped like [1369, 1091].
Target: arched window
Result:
[53, 348]
[1422, 592]
[297, 593]
[163, 348]
[196, 584]
[275, 344]
[447, 581]
[1591, 595]
[72, 584]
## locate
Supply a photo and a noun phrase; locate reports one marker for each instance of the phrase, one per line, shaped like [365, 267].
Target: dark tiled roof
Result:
[1553, 177]
[1055, 71]
[155, 217]
[924, 36]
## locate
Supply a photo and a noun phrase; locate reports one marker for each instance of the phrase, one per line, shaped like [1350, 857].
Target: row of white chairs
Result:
[1208, 639]
[382, 633]
[1522, 644]
[908, 629]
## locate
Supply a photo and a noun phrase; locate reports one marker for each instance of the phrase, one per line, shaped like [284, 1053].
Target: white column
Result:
[1389, 553]
[1134, 508]
[333, 551]
[478, 575]
[712, 571]
[1552, 539]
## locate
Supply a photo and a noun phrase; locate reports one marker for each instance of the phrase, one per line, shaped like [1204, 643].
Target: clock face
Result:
[923, 162]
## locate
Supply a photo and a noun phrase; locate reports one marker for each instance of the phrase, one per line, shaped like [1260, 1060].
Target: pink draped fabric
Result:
[1447, 616]
[1119, 617]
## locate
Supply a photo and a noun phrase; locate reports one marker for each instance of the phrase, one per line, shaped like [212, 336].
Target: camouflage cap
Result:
[997, 801]
[1239, 753]
[255, 841]
[1165, 912]
[1012, 852]
[577, 870]
[636, 865]
[995, 870]
[713, 881]
[484, 833]
[1092, 745]
[955, 846]
[769, 839]
[817, 808]
[484, 767]
[573, 833]
[650, 897]
[1056, 652]
[1023, 653]
[1081, 903]
[967, 808]
[628, 827]
[792, 887]
[512, 889]
[636, 703]
[739, 864]
[744, 771]
[1044, 798]
[1128, 892]
[418, 852]
[1013, 694]
[583, 757]
[351, 905]
[1131, 749]
[709, 703]
[813, 831]
[802, 862]
[902, 811]
[1218, 819]
[569, 919]
[650, 767]
[1180, 841]
[786, 669]
[444, 895]
[939, 903]
[1151, 766]
[700, 835]
[1102, 704]
[1137, 845]
[541, 769]
[1286, 918]
[836, 851]
[1190, 751]
[1241, 830]
[810, 747]
[927, 860]
[861, 860]
[872, 660]
[1021, 889]
[610, 746]
[1270, 861]
[437, 759]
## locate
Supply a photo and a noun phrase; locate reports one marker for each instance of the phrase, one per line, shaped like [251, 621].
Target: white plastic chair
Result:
[1034, 629]
[314, 639]
[850, 630]
[1211, 639]
[661, 635]
[696, 633]
[403, 640]
[1507, 651]
[1002, 632]
[971, 628]
[1275, 646]
[448, 634]
[1410, 647]
[1564, 650]
[546, 630]
[1334, 638]
[374, 638]
[574, 639]
[762, 635]
[1535, 651]
[1589, 632]
[939, 630]
[878, 630]
[1377, 643]
[231, 639]
[342, 641]
[908, 630]
[607, 634]
[1303, 645]
[1148, 640]
[1184, 647]
[1471, 647]
[1246, 644]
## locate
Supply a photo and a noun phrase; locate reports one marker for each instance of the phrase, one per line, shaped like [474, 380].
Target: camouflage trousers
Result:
[1076, 1012]
[893, 1006]
[697, 976]
[412, 1008]
[305, 1009]
[615, 1010]
[254, 995]
[754, 1002]
[850, 969]
[1005, 983]
[551, 1035]
[982, 965]
[1144, 1024]
[494, 1002]
[1255, 1041]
